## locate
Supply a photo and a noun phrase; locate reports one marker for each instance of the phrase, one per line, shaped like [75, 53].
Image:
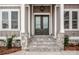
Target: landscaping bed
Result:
[4, 50]
[71, 47]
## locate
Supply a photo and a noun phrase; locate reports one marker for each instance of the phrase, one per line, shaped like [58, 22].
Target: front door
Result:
[41, 24]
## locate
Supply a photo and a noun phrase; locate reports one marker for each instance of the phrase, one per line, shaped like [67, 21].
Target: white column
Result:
[29, 20]
[55, 19]
[23, 18]
[61, 18]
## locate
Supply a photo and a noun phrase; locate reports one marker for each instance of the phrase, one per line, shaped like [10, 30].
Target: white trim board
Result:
[41, 14]
[4, 38]
[10, 5]
[74, 38]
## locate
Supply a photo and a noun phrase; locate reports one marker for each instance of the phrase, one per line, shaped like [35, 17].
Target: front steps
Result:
[42, 44]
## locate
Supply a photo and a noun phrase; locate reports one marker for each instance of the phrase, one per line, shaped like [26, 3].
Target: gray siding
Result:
[53, 19]
[58, 20]
[26, 19]
[71, 6]
[31, 19]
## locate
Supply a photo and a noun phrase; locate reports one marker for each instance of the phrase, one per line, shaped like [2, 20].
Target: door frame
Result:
[33, 27]
[41, 24]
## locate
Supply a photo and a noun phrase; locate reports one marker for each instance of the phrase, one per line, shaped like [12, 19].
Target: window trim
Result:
[9, 11]
[70, 19]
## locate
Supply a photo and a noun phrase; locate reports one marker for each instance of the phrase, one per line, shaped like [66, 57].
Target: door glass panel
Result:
[45, 22]
[38, 22]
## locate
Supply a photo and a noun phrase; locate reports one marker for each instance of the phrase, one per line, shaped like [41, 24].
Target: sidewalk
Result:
[46, 53]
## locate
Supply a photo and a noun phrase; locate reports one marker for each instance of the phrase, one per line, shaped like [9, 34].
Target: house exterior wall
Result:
[26, 19]
[31, 20]
[71, 33]
[71, 6]
[53, 25]
[9, 33]
[58, 20]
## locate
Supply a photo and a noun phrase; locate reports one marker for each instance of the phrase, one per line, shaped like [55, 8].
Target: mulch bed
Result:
[4, 50]
[71, 47]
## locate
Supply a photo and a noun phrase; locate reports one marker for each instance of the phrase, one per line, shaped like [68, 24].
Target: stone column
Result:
[60, 40]
[23, 34]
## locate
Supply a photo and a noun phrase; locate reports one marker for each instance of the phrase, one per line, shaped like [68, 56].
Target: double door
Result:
[41, 24]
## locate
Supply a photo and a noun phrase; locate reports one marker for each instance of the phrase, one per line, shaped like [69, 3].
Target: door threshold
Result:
[41, 35]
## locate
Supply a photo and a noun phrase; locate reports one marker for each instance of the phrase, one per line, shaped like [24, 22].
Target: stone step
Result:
[43, 49]
[44, 43]
[43, 40]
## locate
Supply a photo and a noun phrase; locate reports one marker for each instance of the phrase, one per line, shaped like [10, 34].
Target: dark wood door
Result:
[41, 25]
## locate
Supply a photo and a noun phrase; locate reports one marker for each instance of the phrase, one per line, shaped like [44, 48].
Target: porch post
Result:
[55, 18]
[29, 21]
[23, 36]
[61, 18]
[50, 22]
[22, 18]
[61, 32]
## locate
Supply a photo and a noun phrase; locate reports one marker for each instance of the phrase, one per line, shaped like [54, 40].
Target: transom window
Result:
[10, 19]
[71, 19]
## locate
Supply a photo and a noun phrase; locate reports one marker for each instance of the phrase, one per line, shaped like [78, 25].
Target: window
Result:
[5, 20]
[66, 19]
[14, 19]
[74, 19]
[10, 19]
[71, 19]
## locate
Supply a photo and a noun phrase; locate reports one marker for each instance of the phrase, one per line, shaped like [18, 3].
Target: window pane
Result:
[45, 22]
[5, 19]
[38, 22]
[66, 19]
[74, 19]
[14, 15]
[74, 14]
[14, 19]
[66, 15]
